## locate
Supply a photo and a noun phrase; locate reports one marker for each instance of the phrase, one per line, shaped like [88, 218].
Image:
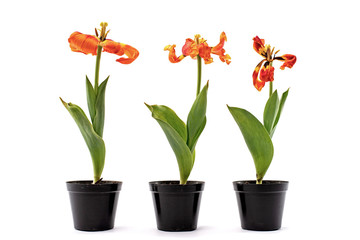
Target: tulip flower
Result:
[265, 66]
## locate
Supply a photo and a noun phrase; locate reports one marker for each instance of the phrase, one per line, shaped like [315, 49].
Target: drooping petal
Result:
[220, 51]
[205, 52]
[83, 43]
[288, 59]
[190, 48]
[267, 73]
[258, 84]
[172, 55]
[120, 49]
[259, 46]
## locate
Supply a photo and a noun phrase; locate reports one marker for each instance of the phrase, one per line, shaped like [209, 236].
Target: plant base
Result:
[261, 205]
[93, 205]
[176, 206]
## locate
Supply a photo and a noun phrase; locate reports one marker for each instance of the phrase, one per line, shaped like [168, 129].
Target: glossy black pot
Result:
[261, 205]
[93, 205]
[176, 206]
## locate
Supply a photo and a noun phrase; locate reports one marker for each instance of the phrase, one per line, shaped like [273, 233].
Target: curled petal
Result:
[172, 55]
[288, 59]
[120, 49]
[83, 43]
[190, 48]
[267, 73]
[205, 53]
[258, 84]
[259, 46]
[220, 51]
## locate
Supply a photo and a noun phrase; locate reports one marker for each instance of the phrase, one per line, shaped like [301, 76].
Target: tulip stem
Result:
[199, 75]
[97, 68]
[270, 89]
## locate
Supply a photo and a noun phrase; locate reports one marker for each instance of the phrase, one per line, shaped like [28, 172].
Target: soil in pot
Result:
[93, 205]
[176, 206]
[261, 205]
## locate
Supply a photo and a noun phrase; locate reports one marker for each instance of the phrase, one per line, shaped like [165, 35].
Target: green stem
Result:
[97, 68]
[270, 85]
[199, 75]
[270, 89]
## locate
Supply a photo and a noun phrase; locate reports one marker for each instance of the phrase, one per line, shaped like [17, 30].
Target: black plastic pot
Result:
[93, 205]
[261, 205]
[176, 206]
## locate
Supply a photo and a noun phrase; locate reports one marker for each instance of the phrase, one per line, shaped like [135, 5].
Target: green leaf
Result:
[100, 109]
[91, 98]
[196, 120]
[93, 141]
[270, 111]
[175, 131]
[281, 106]
[257, 140]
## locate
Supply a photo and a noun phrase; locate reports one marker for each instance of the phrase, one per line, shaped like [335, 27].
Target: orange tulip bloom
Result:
[199, 47]
[88, 44]
[267, 70]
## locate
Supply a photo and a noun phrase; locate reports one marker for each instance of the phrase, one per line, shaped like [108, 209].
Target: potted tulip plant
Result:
[177, 203]
[261, 202]
[94, 202]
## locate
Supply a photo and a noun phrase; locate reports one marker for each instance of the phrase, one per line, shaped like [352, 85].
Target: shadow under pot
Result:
[261, 205]
[93, 205]
[176, 206]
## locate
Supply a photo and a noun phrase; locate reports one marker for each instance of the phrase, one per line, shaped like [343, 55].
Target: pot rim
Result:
[173, 186]
[267, 186]
[87, 186]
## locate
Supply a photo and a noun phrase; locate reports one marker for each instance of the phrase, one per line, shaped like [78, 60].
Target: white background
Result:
[316, 142]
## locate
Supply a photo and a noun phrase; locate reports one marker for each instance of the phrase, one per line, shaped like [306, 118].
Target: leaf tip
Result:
[149, 106]
[63, 102]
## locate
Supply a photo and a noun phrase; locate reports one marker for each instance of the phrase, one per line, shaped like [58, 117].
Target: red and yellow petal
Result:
[258, 84]
[220, 51]
[288, 59]
[120, 49]
[83, 43]
[190, 48]
[259, 46]
[172, 55]
[205, 52]
[219, 48]
[267, 73]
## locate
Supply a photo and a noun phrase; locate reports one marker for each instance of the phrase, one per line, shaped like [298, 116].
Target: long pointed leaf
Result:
[175, 131]
[93, 141]
[196, 120]
[91, 98]
[281, 106]
[270, 111]
[100, 109]
[257, 140]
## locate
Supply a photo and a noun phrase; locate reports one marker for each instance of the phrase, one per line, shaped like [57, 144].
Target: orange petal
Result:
[205, 52]
[267, 73]
[83, 43]
[120, 49]
[259, 45]
[172, 55]
[190, 48]
[288, 59]
[220, 51]
[258, 84]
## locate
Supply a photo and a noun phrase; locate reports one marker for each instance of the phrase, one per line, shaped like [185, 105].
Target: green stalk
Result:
[270, 85]
[199, 75]
[270, 89]
[97, 69]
